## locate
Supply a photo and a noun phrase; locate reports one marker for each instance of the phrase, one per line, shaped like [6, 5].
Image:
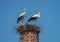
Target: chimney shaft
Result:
[29, 33]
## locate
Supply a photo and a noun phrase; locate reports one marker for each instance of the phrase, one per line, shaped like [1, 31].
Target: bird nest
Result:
[28, 27]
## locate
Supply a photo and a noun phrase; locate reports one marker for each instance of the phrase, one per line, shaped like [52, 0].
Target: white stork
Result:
[35, 17]
[21, 16]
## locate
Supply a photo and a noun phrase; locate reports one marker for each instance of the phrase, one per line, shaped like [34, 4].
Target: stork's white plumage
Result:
[21, 16]
[35, 17]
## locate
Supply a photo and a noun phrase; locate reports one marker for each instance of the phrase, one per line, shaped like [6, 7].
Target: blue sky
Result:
[49, 22]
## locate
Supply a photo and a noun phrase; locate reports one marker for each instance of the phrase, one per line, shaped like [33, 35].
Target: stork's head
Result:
[25, 10]
[39, 14]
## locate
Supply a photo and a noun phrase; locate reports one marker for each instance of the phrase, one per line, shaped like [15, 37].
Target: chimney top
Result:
[28, 27]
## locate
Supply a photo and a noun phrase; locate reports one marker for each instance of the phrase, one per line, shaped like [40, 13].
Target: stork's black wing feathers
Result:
[32, 18]
[19, 19]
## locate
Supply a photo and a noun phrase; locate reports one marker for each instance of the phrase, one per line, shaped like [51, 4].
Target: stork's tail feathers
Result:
[29, 20]
[17, 22]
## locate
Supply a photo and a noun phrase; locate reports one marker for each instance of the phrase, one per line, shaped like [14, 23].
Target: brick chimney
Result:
[29, 33]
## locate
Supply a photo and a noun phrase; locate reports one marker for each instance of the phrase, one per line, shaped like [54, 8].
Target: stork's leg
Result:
[35, 22]
[22, 21]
